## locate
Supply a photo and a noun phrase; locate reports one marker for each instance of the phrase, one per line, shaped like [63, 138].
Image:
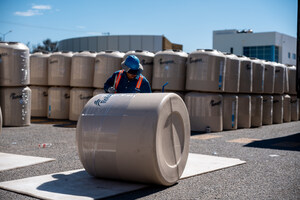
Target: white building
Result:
[272, 46]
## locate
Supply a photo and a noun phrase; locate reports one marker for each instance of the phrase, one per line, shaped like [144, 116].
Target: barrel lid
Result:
[110, 53]
[171, 52]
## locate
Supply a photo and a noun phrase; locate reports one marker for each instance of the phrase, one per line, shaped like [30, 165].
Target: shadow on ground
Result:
[56, 122]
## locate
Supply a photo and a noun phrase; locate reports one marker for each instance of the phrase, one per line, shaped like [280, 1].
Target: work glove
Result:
[111, 90]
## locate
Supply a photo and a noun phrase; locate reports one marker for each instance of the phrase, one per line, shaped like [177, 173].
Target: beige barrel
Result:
[277, 109]
[287, 108]
[82, 69]
[106, 63]
[244, 111]
[134, 137]
[78, 98]
[59, 69]
[98, 91]
[292, 79]
[205, 111]
[146, 60]
[14, 64]
[258, 76]
[39, 101]
[39, 68]
[169, 66]
[16, 105]
[246, 75]
[256, 110]
[230, 112]
[232, 74]
[267, 110]
[269, 78]
[294, 108]
[0, 120]
[279, 78]
[286, 81]
[205, 71]
[58, 102]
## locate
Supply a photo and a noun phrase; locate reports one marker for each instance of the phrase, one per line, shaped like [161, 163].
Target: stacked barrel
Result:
[15, 95]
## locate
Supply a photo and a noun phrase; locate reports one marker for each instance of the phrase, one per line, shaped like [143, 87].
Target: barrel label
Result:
[98, 102]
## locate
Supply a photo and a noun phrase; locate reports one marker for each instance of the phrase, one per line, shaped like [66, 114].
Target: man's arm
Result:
[110, 82]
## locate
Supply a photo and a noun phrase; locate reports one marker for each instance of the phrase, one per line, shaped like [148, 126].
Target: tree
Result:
[48, 46]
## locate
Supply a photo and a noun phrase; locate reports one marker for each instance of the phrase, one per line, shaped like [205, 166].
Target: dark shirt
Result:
[128, 85]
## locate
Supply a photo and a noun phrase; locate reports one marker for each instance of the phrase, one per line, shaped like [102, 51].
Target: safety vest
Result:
[117, 80]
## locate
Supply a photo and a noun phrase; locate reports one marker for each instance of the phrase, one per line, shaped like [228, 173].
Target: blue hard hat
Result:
[132, 62]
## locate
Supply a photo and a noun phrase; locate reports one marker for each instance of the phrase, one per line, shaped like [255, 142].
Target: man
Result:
[129, 79]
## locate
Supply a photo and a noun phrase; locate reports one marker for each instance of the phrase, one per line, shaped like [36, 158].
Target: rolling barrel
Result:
[134, 137]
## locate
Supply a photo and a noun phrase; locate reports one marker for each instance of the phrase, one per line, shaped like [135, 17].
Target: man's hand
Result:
[112, 90]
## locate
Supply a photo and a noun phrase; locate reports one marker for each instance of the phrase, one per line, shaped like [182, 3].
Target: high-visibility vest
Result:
[117, 80]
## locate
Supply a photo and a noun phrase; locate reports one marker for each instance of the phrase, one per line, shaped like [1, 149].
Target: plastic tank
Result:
[149, 145]
[258, 76]
[39, 101]
[146, 59]
[14, 64]
[16, 105]
[292, 79]
[106, 63]
[256, 110]
[232, 74]
[294, 108]
[98, 91]
[244, 111]
[82, 69]
[286, 81]
[230, 111]
[39, 69]
[269, 79]
[267, 110]
[58, 102]
[279, 78]
[78, 98]
[169, 66]
[59, 69]
[205, 71]
[205, 111]
[277, 109]
[246, 75]
[287, 108]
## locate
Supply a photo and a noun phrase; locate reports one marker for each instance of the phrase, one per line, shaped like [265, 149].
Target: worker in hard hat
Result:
[129, 79]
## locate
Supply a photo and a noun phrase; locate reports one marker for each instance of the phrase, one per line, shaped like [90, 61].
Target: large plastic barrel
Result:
[205, 111]
[78, 98]
[267, 110]
[106, 63]
[286, 80]
[135, 137]
[82, 69]
[256, 110]
[246, 75]
[39, 101]
[230, 112]
[169, 66]
[39, 68]
[58, 102]
[14, 64]
[269, 78]
[146, 60]
[16, 105]
[232, 74]
[287, 108]
[294, 108]
[277, 109]
[279, 78]
[98, 91]
[205, 71]
[244, 111]
[258, 76]
[59, 69]
[292, 79]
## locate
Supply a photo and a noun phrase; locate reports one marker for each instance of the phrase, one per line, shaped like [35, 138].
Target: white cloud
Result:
[28, 13]
[42, 7]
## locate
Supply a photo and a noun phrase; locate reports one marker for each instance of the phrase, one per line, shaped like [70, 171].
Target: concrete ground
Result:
[272, 154]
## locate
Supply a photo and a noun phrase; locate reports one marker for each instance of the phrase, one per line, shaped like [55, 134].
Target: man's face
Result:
[130, 76]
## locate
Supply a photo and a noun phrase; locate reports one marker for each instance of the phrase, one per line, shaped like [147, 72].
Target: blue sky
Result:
[187, 22]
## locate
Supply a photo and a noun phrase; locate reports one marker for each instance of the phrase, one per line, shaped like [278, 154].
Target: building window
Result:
[294, 56]
[231, 49]
[269, 53]
[289, 55]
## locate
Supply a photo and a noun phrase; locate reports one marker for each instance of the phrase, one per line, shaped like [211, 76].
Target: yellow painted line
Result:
[287, 144]
[205, 136]
[244, 140]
